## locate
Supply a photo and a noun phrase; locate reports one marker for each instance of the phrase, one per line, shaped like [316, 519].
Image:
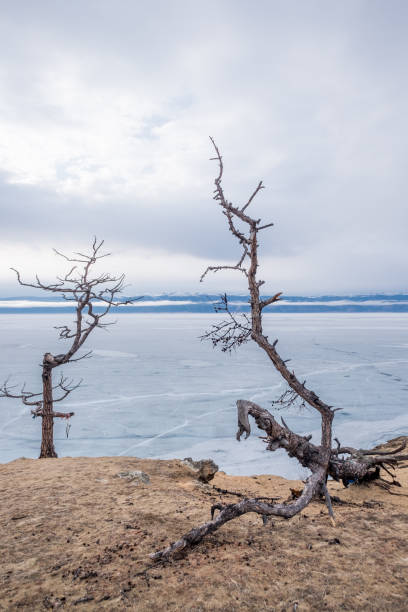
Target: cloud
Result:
[105, 115]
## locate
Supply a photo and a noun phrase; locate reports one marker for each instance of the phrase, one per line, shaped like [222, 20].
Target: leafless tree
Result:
[93, 296]
[341, 463]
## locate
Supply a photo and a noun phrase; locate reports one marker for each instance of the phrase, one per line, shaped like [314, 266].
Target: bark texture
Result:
[47, 425]
[345, 464]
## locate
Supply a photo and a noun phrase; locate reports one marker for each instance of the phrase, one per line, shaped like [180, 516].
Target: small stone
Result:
[18, 516]
[205, 469]
[135, 477]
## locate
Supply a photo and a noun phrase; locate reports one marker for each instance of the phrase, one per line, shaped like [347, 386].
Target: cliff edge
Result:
[77, 532]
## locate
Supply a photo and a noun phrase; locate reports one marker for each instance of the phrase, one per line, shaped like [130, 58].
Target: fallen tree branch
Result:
[232, 511]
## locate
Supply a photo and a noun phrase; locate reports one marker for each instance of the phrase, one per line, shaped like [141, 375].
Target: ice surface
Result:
[152, 389]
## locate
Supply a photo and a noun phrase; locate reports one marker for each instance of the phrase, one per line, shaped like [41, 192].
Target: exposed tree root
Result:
[347, 464]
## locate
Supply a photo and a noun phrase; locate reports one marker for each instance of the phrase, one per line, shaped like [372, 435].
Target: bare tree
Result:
[341, 463]
[93, 296]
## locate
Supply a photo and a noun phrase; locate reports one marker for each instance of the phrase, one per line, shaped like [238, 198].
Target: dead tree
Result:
[341, 463]
[93, 296]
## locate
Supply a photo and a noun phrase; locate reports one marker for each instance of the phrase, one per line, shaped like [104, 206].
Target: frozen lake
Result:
[152, 389]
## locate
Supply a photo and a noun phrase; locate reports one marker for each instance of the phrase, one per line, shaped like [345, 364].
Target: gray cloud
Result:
[105, 114]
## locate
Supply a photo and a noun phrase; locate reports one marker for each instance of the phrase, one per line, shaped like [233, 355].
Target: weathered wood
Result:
[231, 511]
[359, 466]
[47, 425]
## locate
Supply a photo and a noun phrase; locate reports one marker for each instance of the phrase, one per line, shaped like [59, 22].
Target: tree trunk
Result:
[47, 438]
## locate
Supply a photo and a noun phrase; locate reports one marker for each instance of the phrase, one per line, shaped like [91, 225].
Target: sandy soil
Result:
[75, 535]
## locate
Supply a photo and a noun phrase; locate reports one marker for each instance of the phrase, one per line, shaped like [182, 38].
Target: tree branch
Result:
[232, 511]
[78, 285]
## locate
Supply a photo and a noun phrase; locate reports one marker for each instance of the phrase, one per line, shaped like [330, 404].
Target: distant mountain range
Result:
[199, 303]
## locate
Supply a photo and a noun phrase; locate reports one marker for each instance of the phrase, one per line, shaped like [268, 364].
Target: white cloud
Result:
[105, 112]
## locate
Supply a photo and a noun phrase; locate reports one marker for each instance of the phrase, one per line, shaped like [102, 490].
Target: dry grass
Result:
[75, 535]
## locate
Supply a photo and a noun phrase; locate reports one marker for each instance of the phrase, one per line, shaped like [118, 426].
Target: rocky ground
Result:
[76, 535]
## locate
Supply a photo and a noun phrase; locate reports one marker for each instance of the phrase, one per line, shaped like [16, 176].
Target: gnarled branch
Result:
[322, 460]
[88, 292]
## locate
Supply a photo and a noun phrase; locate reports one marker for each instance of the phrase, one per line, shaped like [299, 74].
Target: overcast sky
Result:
[105, 112]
